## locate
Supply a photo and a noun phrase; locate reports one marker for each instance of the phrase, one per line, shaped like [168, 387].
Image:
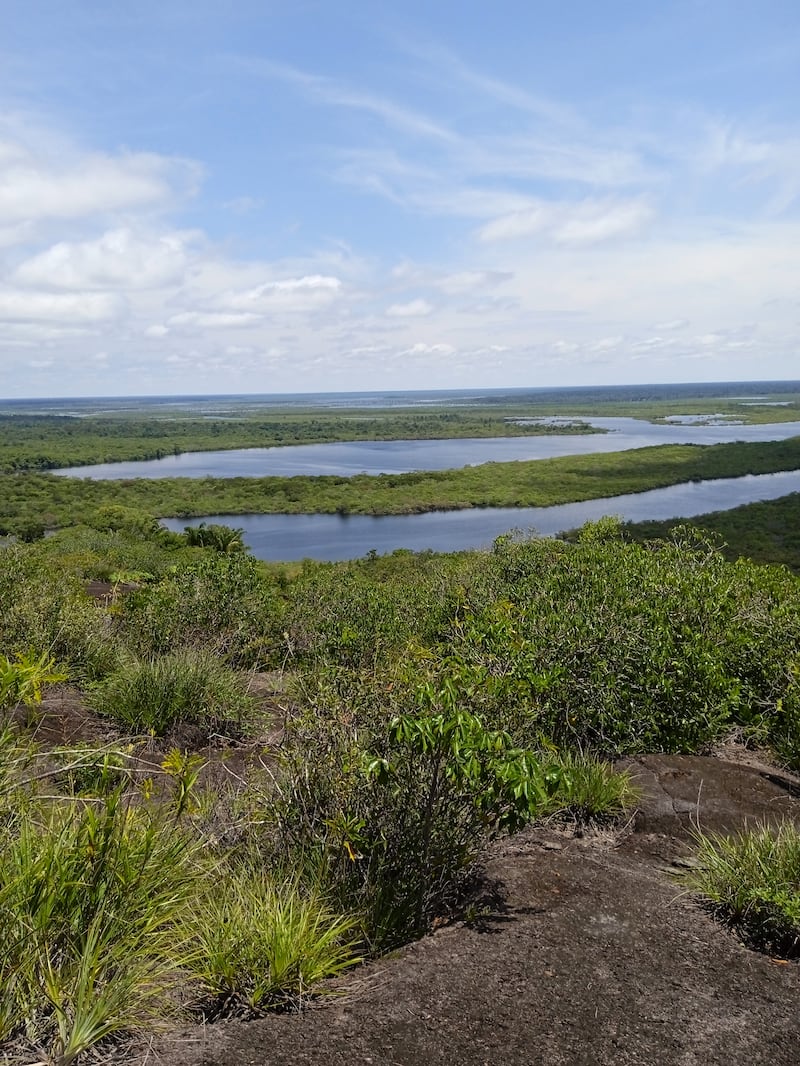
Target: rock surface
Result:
[591, 954]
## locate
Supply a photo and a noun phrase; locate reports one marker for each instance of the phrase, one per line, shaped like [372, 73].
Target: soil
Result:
[584, 950]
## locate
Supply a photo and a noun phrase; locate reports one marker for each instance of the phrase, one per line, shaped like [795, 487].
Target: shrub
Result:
[223, 602]
[153, 695]
[398, 813]
[22, 678]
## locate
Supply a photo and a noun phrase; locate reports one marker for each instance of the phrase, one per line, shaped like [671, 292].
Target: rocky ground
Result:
[583, 950]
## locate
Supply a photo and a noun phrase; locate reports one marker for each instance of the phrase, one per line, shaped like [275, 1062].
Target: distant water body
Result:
[335, 537]
[245, 404]
[401, 456]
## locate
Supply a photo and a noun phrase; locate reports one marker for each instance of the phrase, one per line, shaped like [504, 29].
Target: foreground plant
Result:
[752, 881]
[23, 677]
[262, 942]
[398, 813]
[92, 898]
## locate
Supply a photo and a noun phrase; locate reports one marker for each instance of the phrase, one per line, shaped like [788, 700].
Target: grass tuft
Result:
[91, 900]
[591, 790]
[189, 685]
[752, 881]
[264, 943]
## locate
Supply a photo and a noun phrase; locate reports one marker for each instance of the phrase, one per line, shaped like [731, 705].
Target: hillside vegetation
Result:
[219, 851]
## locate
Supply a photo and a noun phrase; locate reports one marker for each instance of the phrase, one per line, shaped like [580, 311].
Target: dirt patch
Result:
[588, 954]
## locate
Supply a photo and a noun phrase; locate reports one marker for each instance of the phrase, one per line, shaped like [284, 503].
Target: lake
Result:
[333, 537]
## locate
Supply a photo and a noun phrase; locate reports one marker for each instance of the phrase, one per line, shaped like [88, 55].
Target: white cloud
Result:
[36, 188]
[211, 319]
[587, 222]
[595, 224]
[607, 344]
[336, 94]
[120, 258]
[291, 294]
[412, 309]
[468, 281]
[81, 307]
[420, 350]
[672, 324]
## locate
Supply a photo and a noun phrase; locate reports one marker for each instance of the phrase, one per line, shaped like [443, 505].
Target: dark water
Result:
[333, 537]
[400, 456]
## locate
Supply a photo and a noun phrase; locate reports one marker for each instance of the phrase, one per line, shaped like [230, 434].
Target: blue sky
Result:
[268, 197]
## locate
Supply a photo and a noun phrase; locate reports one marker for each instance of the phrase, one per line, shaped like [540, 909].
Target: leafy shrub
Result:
[152, 695]
[399, 812]
[222, 602]
[218, 537]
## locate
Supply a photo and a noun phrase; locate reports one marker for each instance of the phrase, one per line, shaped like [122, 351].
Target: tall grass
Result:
[92, 898]
[267, 942]
[752, 880]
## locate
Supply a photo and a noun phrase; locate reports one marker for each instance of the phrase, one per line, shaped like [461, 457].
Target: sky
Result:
[263, 197]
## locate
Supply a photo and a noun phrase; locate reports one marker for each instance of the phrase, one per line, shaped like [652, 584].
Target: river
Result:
[331, 537]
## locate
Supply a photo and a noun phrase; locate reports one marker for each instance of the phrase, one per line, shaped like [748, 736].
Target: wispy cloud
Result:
[333, 93]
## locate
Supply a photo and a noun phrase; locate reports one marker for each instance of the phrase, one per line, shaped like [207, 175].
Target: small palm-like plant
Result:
[23, 677]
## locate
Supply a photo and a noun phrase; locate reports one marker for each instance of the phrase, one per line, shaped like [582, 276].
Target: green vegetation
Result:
[91, 899]
[60, 501]
[424, 705]
[189, 686]
[752, 881]
[767, 532]
[265, 942]
[47, 442]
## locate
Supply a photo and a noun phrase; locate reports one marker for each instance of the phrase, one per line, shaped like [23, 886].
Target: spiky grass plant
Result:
[262, 942]
[92, 898]
[188, 685]
[590, 789]
[752, 881]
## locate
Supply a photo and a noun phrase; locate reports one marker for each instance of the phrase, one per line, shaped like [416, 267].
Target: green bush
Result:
[44, 608]
[188, 686]
[225, 603]
[398, 813]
